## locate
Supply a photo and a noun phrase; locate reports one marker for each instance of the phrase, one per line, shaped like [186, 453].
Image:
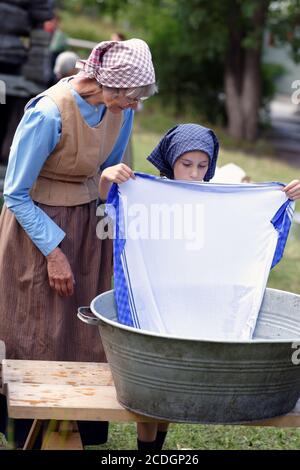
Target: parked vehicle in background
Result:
[25, 60]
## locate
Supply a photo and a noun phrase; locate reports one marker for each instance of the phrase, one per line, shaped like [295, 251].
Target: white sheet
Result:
[206, 277]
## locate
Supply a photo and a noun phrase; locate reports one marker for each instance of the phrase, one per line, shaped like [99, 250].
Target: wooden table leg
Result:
[58, 436]
[64, 437]
[33, 433]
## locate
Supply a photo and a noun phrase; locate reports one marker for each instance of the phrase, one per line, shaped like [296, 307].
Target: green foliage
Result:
[284, 20]
[79, 6]
[89, 28]
[93, 7]
[190, 41]
[188, 72]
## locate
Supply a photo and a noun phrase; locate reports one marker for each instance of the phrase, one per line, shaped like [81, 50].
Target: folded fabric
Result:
[192, 259]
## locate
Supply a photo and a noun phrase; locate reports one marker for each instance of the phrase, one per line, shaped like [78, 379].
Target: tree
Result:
[242, 73]
[214, 44]
[234, 29]
[204, 47]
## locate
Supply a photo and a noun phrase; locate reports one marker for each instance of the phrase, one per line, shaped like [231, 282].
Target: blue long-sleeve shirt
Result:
[36, 137]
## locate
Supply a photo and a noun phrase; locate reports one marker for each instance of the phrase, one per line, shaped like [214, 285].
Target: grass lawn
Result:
[196, 436]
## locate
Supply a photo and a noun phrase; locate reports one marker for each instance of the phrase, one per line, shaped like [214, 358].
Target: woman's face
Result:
[117, 103]
[191, 166]
[94, 94]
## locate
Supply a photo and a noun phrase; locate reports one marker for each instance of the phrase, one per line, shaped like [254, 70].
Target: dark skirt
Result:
[36, 323]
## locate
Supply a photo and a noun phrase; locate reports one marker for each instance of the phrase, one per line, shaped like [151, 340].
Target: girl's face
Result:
[191, 166]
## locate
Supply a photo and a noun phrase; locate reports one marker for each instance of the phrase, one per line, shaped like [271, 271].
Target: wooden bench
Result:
[68, 391]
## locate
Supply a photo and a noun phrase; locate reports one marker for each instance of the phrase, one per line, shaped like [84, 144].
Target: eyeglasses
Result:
[135, 100]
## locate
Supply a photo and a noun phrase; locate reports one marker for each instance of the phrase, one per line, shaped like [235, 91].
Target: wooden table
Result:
[63, 391]
[69, 391]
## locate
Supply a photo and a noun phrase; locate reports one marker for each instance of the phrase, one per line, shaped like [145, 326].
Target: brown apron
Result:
[35, 321]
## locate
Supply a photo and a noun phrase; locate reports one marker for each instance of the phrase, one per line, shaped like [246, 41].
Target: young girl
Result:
[183, 150]
[186, 152]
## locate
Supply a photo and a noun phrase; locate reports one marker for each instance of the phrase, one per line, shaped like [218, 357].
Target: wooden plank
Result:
[63, 402]
[67, 402]
[56, 373]
[61, 441]
[79, 390]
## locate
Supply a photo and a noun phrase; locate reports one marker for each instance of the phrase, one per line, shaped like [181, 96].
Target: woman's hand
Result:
[60, 273]
[292, 190]
[117, 173]
[114, 174]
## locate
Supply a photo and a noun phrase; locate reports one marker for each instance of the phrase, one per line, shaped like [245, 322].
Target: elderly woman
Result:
[51, 260]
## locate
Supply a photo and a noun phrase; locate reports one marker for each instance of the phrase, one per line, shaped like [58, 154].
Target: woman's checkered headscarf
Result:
[181, 139]
[120, 64]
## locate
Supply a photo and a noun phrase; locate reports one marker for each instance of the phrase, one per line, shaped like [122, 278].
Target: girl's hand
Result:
[117, 173]
[114, 174]
[292, 190]
[60, 273]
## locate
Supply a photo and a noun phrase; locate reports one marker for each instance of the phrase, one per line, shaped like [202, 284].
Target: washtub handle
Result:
[83, 316]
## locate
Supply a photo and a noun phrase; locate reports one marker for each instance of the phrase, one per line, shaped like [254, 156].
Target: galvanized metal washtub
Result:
[199, 381]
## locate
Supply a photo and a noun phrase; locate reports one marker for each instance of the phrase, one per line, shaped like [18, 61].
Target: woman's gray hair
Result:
[134, 93]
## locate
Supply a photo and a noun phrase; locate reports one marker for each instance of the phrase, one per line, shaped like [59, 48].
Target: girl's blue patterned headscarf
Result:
[181, 139]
